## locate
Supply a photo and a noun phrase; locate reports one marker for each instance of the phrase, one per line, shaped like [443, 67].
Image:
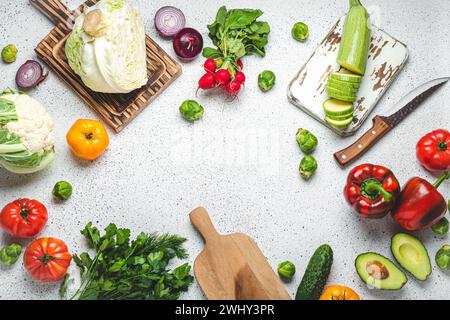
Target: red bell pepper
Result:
[420, 204]
[433, 151]
[372, 190]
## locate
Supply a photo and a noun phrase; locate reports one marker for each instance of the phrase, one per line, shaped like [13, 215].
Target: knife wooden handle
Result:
[348, 155]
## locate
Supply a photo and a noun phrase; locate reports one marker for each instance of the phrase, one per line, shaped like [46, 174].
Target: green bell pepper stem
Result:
[373, 188]
[443, 177]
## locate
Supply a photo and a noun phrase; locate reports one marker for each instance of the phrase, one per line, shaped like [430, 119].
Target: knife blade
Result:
[384, 124]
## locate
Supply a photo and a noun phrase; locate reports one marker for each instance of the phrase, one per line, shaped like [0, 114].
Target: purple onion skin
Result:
[188, 43]
[167, 11]
[30, 75]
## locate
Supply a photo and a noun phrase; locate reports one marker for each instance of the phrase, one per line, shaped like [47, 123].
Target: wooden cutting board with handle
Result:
[117, 110]
[232, 267]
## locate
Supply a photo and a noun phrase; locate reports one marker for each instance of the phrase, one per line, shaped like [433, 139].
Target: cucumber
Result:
[346, 77]
[343, 90]
[334, 107]
[345, 84]
[333, 93]
[339, 123]
[316, 274]
[355, 39]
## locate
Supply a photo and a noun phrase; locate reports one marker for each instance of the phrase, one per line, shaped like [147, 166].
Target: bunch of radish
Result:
[224, 74]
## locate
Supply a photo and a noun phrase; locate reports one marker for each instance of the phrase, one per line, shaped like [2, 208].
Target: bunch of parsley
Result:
[236, 33]
[124, 270]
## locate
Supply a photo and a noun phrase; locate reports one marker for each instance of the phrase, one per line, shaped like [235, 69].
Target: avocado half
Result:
[411, 255]
[379, 272]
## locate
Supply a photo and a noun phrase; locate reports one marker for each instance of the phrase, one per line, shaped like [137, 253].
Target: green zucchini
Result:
[354, 78]
[333, 107]
[316, 274]
[333, 93]
[340, 118]
[355, 41]
[346, 84]
[343, 90]
[340, 124]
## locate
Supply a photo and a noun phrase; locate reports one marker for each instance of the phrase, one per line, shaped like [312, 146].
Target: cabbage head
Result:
[26, 134]
[106, 48]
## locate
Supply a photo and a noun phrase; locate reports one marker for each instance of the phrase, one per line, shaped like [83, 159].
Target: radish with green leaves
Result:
[235, 33]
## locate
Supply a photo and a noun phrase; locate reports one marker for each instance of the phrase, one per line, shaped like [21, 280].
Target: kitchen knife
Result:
[382, 124]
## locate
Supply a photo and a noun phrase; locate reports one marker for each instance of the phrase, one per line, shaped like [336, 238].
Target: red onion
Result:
[169, 21]
[30, 74]
[188, 43]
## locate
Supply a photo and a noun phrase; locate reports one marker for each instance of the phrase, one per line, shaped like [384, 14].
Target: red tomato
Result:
[47, 259]
[433, 151]
[23, 218]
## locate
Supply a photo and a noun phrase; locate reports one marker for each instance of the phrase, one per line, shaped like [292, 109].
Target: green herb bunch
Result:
[236, 33]
[130, 270]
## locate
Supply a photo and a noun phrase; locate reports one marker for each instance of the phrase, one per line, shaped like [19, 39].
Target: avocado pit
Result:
[377, 270]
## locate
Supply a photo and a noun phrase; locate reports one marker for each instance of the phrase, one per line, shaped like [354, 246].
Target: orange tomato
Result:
[87, 139]
[47, 259]
[339, 293]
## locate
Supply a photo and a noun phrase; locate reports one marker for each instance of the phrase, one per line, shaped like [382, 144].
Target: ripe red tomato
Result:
[23, 218]
[47, 259]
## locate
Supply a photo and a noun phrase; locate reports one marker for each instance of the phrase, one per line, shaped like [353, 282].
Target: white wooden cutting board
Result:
[387, 56]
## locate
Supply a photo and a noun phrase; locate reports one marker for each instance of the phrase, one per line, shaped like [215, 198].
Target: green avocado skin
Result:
[316, 274]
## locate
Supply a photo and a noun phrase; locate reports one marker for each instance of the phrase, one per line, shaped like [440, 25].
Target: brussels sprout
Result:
[10, 254]
[441, 227]
[300, 31]
[307, 167]
[443, 257]
[286, 270]
[9, 53]
[266, 80]
[306, 140]
[62, 190]
[191, 110]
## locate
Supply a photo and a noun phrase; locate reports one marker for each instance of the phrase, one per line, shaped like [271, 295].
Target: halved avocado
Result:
[379, 272]
[411, 255]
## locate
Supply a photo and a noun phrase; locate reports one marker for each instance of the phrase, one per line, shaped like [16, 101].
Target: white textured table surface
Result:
[241, 160]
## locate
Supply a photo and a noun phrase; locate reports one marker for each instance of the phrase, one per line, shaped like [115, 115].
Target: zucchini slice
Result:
[346, 77]
[344, 84]
[343, 90]
[339, 123]
[334, 107]
[337, 94]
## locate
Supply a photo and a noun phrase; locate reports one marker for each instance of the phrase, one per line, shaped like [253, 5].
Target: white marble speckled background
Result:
[240, 161]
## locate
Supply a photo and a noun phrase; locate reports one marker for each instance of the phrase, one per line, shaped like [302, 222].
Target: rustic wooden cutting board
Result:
[232, 267]
[387, 56]
[117, 110]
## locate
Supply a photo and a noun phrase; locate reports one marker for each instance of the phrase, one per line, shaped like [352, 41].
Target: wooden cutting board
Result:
[387, 57]
[232, 267]
[117, 110]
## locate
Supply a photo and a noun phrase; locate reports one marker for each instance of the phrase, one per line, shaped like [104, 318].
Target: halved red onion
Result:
[30, 74]
[188, 43]
[169, 21]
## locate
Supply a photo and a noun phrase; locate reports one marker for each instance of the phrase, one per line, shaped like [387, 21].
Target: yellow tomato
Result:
[339, 293]
[87, 139]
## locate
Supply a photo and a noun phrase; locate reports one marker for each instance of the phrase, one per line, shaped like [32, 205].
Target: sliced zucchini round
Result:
[334, 107]
[333, 93]
[339, 123]
[344, 84]
[343, 90]
[346, 77]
